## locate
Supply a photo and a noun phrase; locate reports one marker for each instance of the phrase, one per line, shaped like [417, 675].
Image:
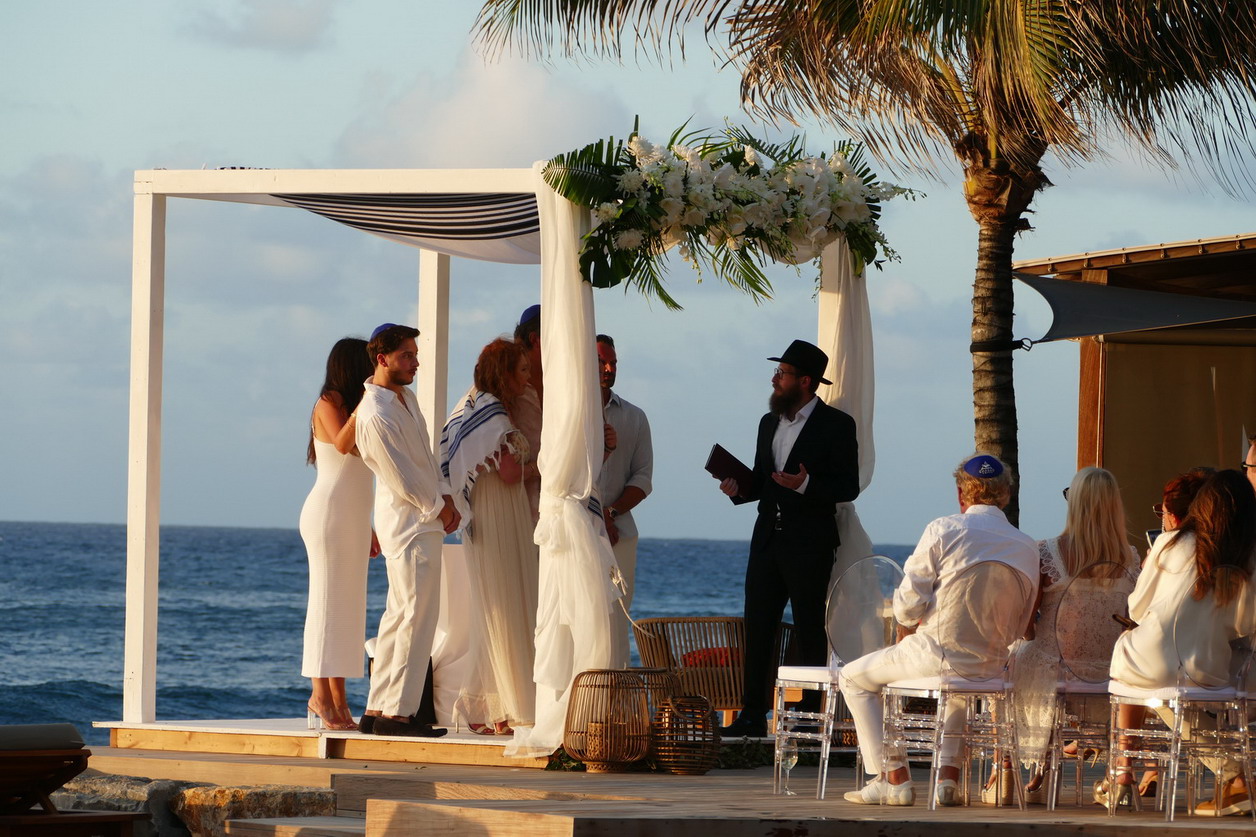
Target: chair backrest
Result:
[1085, 631]
[859, 613]
[1212, 634]
[979, 614]
[706, 652]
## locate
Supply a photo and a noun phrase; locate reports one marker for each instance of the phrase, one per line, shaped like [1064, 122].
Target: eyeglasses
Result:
[1245, 466]
[778, 372]
[1158, 509]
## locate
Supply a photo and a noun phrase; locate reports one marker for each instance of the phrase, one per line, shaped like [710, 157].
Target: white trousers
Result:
[404, 641]
[626, 557]
[861, 682]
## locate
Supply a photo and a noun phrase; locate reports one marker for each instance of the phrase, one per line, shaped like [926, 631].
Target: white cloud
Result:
[480, 115]
[270, 25]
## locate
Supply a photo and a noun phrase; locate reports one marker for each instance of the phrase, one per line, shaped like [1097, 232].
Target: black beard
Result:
[784, 403]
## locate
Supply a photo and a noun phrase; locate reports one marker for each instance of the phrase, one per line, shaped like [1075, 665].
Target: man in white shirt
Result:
[979, 533]
[413, 513]
[625, 480]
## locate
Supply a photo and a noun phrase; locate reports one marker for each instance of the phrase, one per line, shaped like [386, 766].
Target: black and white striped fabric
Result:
[494, 227]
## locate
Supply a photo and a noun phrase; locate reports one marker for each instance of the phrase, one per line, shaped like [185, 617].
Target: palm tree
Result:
[998, 83]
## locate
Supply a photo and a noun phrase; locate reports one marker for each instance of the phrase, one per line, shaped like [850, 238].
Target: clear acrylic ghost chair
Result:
[979, 614]
[1085, 633]
[1203, 713]
[859, 619]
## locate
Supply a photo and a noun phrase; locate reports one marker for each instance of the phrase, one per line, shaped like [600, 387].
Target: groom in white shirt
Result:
[413, 513]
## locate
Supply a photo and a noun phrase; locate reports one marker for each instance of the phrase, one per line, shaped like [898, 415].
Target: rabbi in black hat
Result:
[806, 462]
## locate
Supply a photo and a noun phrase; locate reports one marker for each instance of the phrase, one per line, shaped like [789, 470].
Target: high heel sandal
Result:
[1124, 792]
[315, 721]
[481, 729]
[990, 793]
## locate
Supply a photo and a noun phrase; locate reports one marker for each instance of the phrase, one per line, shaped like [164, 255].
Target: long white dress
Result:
[502, 564]
[501, 560]
[1036, 663]
[336, 527]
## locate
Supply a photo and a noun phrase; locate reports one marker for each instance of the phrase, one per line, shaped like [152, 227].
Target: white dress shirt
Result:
[631, 462]
[787, 431]
[950, 545]
[394, 444]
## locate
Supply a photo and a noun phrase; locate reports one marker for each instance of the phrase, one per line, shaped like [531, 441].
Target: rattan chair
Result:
[706, 652]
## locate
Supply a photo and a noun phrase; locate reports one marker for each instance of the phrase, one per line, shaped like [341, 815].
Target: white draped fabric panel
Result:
[493, 227]
[576, 591]
[846, 335]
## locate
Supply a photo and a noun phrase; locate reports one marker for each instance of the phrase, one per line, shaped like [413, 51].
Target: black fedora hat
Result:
[808, 359]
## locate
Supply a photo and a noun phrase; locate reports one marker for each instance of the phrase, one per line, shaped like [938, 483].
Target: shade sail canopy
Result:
[1082, 309]
[500, 227]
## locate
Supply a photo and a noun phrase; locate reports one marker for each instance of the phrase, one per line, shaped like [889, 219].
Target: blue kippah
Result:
[382, 327]
[530, 313]
[983, 467]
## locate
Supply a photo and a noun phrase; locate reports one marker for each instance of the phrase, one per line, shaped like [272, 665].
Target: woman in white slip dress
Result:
[336, 527]
[1094, 532]
[487, 459]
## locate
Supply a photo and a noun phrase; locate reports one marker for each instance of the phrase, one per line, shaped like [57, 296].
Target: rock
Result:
[205, 810]
[96, 791]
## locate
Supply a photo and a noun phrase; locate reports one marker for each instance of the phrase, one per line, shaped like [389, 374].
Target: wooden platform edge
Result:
[357, 747]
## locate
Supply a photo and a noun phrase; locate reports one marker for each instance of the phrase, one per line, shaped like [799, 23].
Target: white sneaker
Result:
[881, 792]
[947, 793]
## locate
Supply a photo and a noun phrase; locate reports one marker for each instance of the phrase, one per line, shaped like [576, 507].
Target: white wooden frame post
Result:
[148, 282]
[433, 325]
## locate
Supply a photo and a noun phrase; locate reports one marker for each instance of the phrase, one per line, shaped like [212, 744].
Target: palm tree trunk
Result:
[994, 396]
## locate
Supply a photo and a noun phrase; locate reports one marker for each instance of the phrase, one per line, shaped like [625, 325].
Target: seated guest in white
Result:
[949, 545]
[1210, 556]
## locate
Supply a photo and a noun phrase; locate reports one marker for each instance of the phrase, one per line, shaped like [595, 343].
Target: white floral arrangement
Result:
[730, 203]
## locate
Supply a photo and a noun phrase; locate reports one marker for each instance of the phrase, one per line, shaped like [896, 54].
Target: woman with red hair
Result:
[487, 458]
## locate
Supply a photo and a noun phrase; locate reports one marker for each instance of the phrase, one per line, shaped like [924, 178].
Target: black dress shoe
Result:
[407, 728]
[745, 727]
[366, 723]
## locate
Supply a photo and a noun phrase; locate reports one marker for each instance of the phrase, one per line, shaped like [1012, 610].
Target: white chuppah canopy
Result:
[576, 560]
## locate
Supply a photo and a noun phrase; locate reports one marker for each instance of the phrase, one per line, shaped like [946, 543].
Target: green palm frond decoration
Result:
[728, 201]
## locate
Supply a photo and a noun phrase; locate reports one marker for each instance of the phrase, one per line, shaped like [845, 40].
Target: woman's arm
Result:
[336, 426]
[508, 466]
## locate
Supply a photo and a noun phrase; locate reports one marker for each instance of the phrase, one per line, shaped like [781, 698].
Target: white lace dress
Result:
[1036, 663]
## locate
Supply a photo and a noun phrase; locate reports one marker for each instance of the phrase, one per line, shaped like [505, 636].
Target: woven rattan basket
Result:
[608, 720]
[686, 736]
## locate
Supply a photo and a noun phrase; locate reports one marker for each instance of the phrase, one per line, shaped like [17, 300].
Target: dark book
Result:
[721, 464]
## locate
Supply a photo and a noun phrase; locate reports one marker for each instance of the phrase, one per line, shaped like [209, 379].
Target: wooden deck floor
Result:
[385, 798]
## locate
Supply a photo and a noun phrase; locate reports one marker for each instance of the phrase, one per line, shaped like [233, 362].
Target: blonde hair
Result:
[1095, 522]
[984, 491]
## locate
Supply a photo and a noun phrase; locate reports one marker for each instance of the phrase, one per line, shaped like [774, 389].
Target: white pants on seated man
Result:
[861, 682]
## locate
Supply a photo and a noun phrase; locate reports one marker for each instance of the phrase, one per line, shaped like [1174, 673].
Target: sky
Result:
[256, 296]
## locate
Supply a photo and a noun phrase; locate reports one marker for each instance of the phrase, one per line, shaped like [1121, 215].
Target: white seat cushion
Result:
[1118, 689]
[952, 683]
[807, 674]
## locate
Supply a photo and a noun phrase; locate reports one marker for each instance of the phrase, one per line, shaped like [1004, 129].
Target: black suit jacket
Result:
[828, 447]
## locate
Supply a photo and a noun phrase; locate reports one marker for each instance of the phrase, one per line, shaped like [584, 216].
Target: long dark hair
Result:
[1222, 517]
[348, 365]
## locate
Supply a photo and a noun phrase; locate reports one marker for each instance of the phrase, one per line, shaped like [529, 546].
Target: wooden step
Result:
[297, 827]
[353, 791]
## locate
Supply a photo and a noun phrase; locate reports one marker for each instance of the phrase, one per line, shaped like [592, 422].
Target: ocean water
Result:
[231, 612]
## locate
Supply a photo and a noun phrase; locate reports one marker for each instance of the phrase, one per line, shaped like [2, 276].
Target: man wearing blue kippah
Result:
[413, 513]
[979, 533]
